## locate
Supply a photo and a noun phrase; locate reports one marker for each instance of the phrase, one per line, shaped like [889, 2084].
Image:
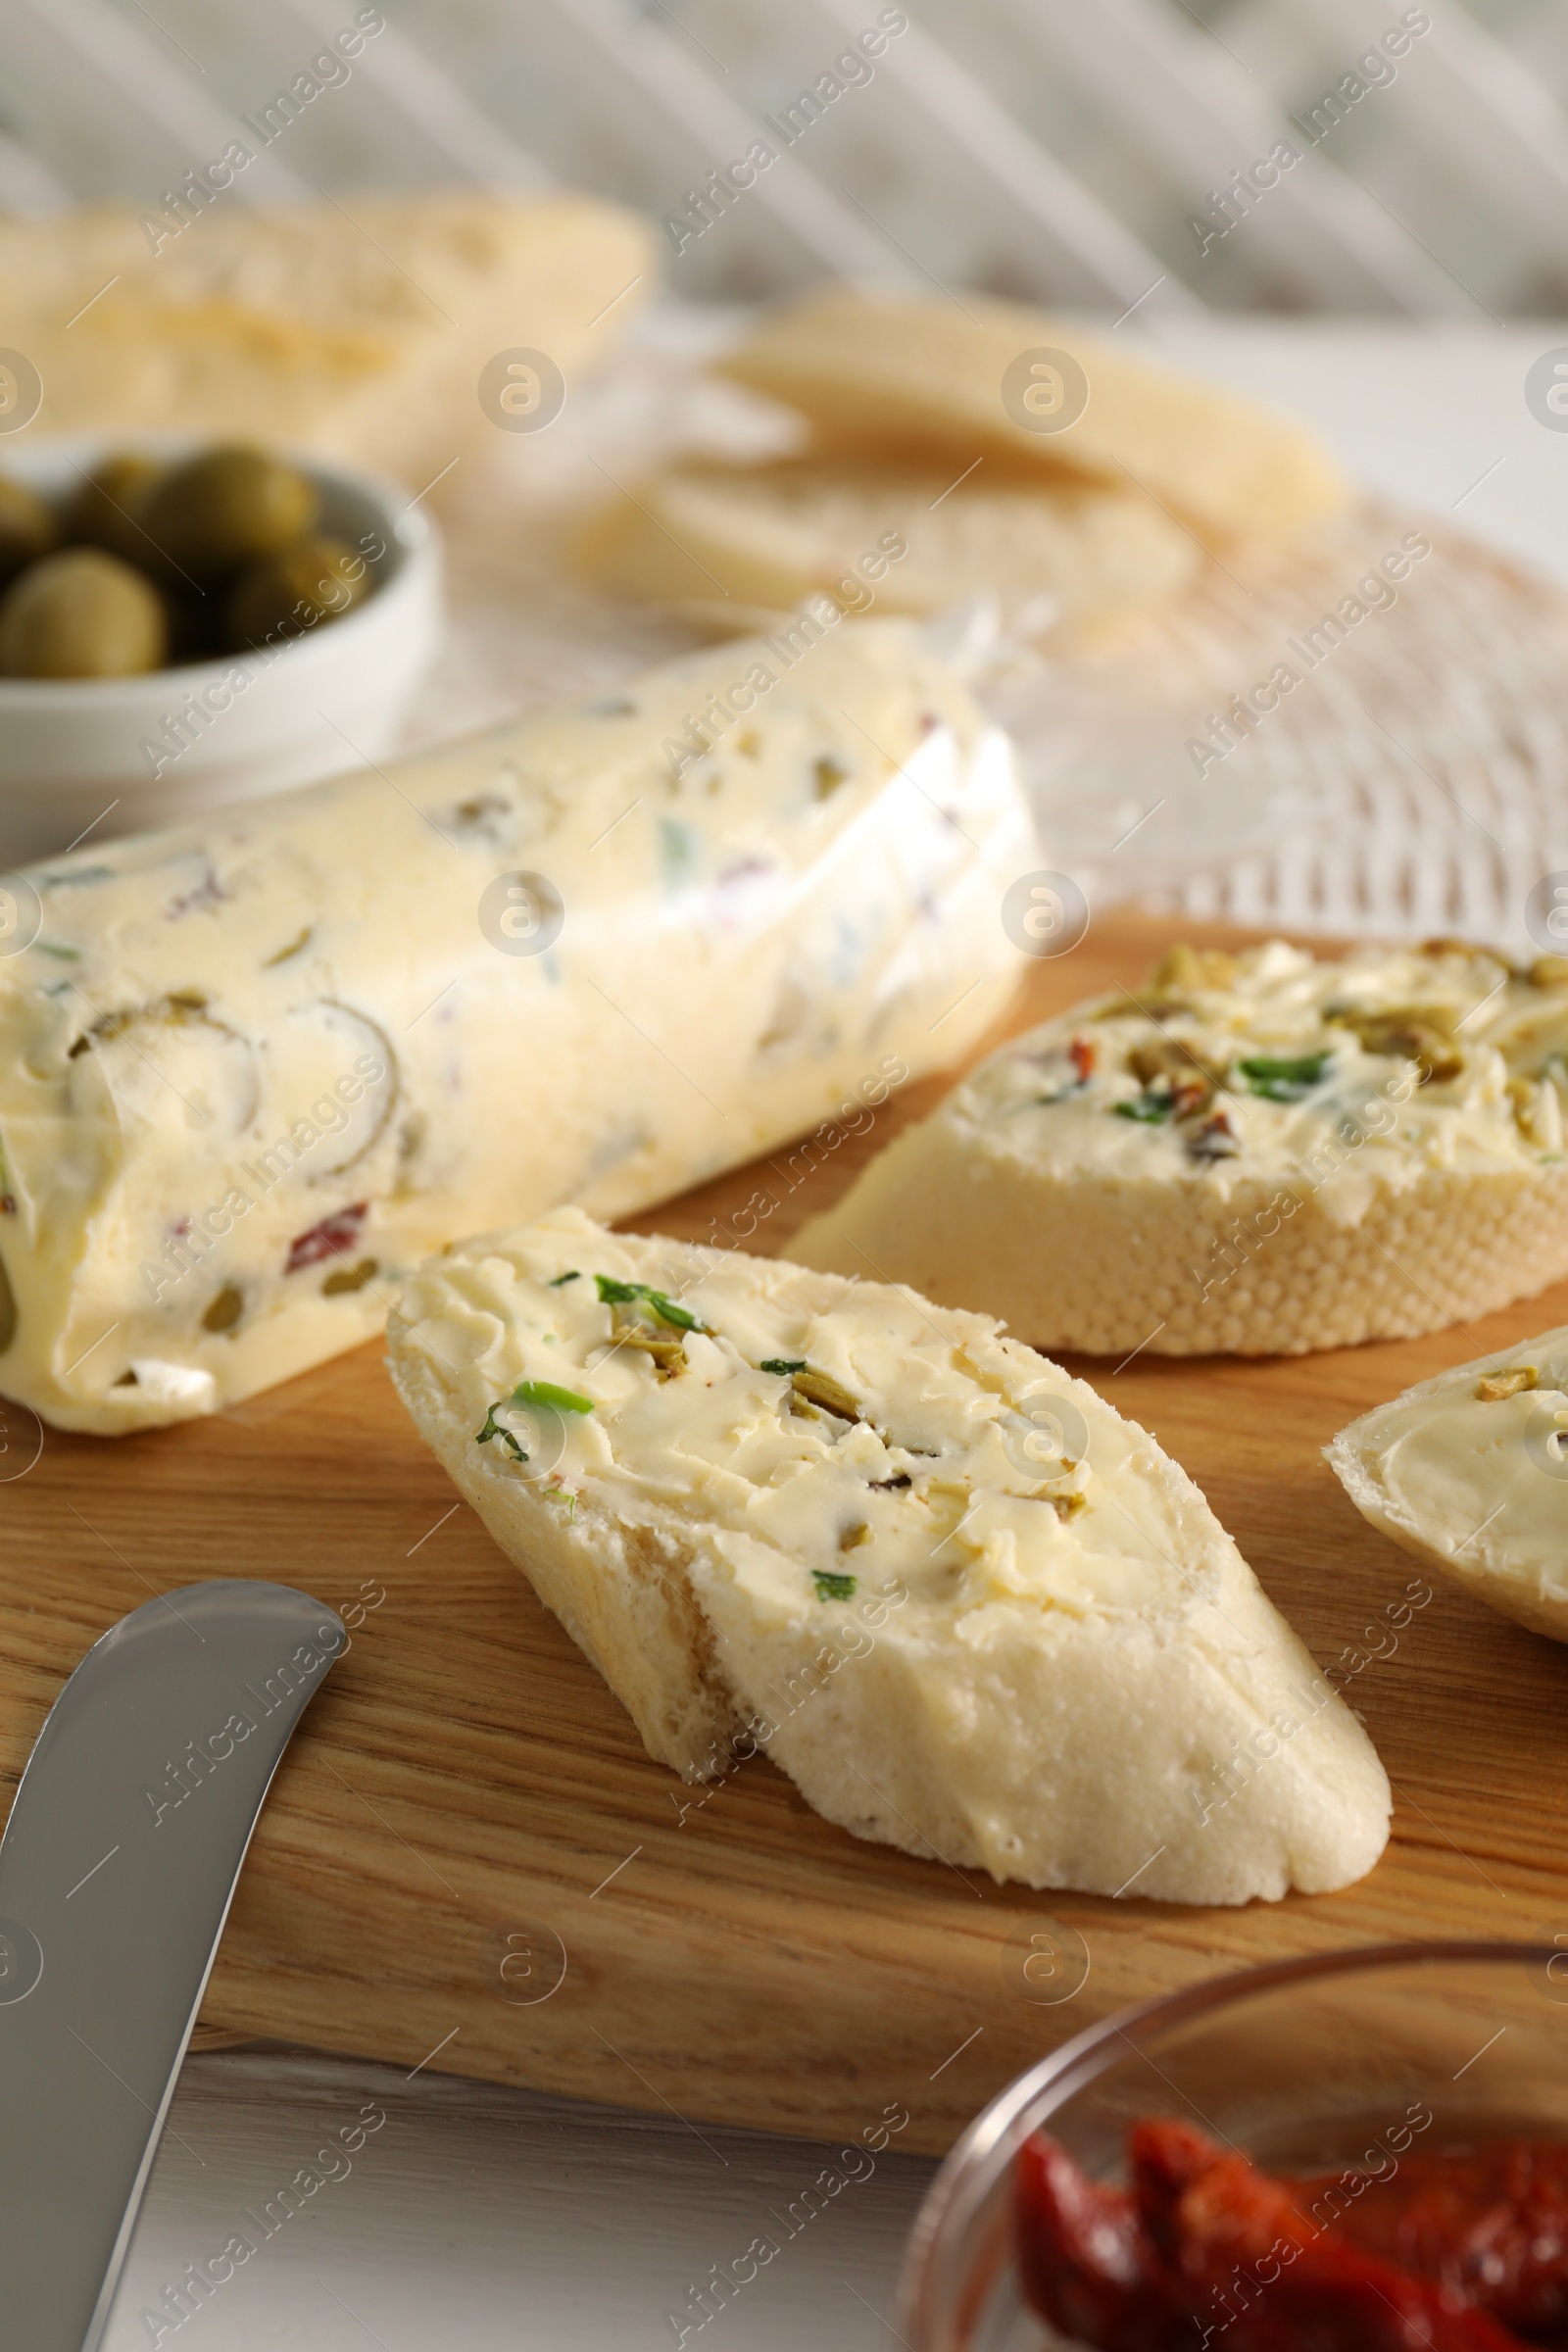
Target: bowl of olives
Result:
[186, 622]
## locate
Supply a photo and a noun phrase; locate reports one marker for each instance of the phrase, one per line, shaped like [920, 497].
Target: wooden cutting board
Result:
[467, 1806]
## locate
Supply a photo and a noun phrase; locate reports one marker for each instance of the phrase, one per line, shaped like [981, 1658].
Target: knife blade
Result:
[117, 1869]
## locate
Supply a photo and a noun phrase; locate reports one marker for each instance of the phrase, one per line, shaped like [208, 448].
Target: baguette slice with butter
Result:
[905, 538]
[970, 1610]
[884, 374]
[1467, 1471]
[1258, 1154]
[356, 330]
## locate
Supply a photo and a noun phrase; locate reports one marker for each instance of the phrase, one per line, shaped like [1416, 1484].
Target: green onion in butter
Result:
[1150, 1109]
[614, 1293]
[544, 1392]
[1284, 1078]
[493, 1429]
[832, 1587]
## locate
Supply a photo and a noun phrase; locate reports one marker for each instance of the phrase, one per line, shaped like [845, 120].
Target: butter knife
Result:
[117, 1869]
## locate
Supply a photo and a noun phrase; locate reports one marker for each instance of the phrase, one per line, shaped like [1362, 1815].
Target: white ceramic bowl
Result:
[108, 756]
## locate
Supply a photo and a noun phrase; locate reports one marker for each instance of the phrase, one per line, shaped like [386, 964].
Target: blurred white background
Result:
[1073, 150]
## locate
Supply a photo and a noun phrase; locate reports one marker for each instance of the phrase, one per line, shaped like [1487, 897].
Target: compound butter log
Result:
[253, 1069]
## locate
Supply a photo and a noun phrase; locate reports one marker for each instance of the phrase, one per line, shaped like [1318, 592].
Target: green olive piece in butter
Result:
[224, 1309]
[106, 510]
[317, 580]
[28, 528]
[82, 614]
[226, 508]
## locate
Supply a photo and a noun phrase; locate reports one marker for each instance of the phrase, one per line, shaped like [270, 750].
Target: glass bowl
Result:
[1308, 2065]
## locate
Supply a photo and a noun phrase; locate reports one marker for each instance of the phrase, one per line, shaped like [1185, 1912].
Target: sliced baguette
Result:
[356, 330]
[922, 375]
[1467, 1472]
[984, 1618]
[905, 538]
[1117, 1179]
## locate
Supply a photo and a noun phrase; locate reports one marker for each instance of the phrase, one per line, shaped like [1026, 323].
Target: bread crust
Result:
[636, 1618]
[1263, 1154]
[1260, 1266]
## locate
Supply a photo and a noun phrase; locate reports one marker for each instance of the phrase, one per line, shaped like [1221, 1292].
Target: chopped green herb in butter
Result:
[1151, 1107]
[546, 1392]
[543, 1394]
[493, 1429]
[832, 1587]
[632, 1294]
[1284, 1078]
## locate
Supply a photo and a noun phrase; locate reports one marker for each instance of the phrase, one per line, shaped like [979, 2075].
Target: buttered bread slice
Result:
[902, 538]
[986, 379]
[1467, 1472]
[355, 329]
[1252, 1154]
[970, 1610]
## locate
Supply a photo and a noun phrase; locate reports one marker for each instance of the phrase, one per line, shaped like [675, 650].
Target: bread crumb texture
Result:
[971, 1611]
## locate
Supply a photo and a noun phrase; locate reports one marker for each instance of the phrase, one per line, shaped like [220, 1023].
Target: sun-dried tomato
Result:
[333, 1237]
[1205, 2248]
[1085, 2259]
[1492, 2223]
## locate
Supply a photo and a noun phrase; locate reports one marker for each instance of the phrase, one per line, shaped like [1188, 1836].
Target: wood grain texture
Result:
[465, 1778]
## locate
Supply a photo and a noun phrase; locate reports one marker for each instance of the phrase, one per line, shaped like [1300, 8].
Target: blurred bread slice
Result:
[905, 538]
[921, 374]
[1465, 1470]
[358, 331]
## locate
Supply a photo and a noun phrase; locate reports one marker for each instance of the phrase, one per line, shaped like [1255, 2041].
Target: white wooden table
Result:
[479, 2220]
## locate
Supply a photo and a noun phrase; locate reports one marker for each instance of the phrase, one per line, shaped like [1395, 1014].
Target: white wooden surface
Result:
[1433, 416]
[480, 2219]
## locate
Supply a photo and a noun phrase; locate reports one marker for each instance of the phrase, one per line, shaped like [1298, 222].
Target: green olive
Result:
[228, 506]
[106, 510]
[197, 628]
[82, 614]
[224, 1309]
[28, 529]
[318, 580]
